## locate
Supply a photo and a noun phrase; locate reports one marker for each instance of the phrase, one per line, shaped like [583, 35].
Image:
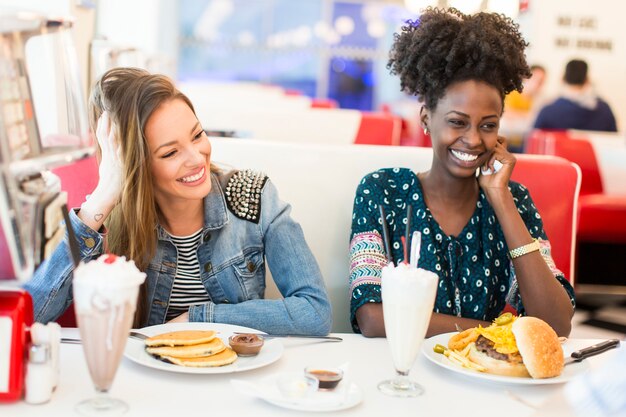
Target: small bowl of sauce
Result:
[247, 344]
[328, 378]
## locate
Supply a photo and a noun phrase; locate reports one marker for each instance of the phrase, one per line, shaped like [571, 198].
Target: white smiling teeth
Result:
[464, 156]
[193, 178]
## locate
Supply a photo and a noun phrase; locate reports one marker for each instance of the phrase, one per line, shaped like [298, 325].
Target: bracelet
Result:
[523, 250]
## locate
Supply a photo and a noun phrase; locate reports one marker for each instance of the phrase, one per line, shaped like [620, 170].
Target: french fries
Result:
[459, 357]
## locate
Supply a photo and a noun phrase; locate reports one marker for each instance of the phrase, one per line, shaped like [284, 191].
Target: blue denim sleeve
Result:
[51, 286]
[305, 308]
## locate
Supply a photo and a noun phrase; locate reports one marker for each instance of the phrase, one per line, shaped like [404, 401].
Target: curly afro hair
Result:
[446, 46]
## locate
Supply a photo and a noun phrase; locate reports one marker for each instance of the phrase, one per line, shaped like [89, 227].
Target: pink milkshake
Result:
[105, 298]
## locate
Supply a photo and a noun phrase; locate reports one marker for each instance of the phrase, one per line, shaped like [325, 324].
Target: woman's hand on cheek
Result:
[498, 169]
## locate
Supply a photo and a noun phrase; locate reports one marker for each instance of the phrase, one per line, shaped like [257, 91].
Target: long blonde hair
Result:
[130, 96]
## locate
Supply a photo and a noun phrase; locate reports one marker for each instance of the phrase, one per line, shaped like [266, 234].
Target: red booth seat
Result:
[379, 129]
[557, 205]
[602, 218]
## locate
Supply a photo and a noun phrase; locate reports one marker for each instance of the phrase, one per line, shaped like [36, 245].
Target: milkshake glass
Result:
[408, 295]
[105, 298]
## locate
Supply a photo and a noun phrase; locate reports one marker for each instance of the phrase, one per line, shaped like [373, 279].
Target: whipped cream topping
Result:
[405, 275]
[105, 281]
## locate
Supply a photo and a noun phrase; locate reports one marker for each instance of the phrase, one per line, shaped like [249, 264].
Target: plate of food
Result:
[513, 350]
[202, 348]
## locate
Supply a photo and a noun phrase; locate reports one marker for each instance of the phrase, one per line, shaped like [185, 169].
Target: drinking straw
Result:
[386, 240]
[405, 250]
[75, 252]
[416, 244]
[407, 234]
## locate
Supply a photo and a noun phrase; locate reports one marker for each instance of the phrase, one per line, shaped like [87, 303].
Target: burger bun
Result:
[539, 346]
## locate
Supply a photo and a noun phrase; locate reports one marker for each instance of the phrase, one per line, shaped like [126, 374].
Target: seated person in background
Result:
[521, 108]
[522, 103]
[578, 107]
[482, 235]
[202, 235]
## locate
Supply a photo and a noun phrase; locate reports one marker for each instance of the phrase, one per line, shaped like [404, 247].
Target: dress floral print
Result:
[476, 276]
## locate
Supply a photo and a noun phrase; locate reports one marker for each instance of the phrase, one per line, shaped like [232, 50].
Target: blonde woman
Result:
[201, 235]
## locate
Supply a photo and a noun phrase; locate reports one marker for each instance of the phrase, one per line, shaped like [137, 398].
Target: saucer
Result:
[346, 395]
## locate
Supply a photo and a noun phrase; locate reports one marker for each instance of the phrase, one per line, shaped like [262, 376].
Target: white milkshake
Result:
[105, 298]
[408, 296]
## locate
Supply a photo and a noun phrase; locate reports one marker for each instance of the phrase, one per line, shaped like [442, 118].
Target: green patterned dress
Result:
[476, 276]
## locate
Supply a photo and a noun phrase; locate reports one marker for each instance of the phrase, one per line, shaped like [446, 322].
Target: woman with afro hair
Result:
[481, 234]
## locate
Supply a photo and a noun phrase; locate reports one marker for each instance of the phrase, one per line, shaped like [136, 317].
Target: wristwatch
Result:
[523, 250]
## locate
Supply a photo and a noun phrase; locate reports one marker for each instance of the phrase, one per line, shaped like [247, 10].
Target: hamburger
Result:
[523, 347]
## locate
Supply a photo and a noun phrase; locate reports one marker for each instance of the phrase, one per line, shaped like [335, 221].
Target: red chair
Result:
[556, 204]
[379, 129]
[580, 151]
[324, 103]
[602, 218]
[423, 139]
[601, 233]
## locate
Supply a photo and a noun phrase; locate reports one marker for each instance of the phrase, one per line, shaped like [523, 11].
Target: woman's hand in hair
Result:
[110, 167]
[496, 172]
[94, 211]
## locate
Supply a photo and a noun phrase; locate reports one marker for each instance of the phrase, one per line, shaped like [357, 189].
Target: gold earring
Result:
[426, 131]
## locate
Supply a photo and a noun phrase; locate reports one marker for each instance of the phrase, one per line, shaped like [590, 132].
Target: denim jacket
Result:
[232, 256]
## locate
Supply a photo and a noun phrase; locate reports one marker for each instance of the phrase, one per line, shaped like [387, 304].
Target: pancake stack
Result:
[194, 348]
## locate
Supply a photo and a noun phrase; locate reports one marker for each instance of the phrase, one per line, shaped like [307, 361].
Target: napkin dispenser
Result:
[16, 317]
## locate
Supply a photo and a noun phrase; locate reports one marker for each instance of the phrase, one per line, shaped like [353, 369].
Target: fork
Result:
[137, 335]
[134, 335]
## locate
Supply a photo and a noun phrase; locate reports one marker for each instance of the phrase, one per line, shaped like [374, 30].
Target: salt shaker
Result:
[55, 344]
[50, 335]
[39, 378]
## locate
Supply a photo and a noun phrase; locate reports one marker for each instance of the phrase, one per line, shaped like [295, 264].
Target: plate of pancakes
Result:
[197, 348]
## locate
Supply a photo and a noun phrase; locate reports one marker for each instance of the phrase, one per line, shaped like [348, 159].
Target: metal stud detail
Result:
[243, 194]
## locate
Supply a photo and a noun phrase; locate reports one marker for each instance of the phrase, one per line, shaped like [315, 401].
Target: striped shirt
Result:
[187, 289]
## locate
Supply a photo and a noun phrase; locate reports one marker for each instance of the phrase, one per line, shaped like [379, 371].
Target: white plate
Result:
[570, 371]
[335, 400]
[271, 351]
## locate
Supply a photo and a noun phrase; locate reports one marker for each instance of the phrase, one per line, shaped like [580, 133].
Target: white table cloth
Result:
[150, 392]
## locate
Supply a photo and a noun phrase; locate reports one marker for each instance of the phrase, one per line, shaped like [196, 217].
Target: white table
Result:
[150, 392]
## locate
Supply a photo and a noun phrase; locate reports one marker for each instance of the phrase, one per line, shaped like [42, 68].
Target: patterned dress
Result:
[476, 276]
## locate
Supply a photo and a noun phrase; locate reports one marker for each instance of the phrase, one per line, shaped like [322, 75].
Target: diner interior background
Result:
[336, 52]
